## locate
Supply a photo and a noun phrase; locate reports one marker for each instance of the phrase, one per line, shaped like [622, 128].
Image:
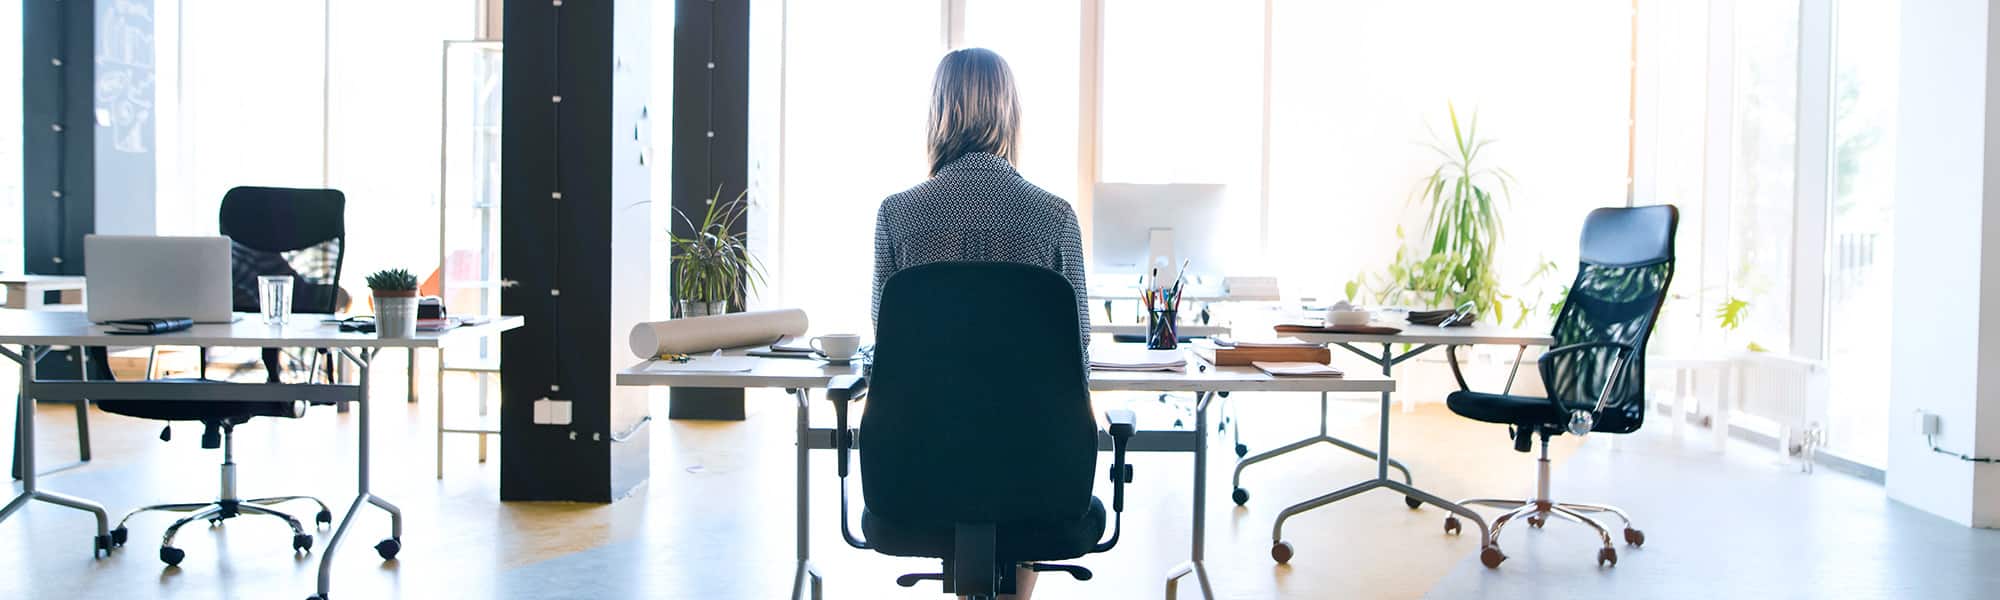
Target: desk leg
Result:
[412, 378]
[1242, 495]
[805, 579]
[1194, 565]
[386, 548]
[24, 406]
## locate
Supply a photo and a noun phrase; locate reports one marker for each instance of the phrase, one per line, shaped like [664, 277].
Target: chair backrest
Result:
[1627, 262]
[284, 231]
[979, 402]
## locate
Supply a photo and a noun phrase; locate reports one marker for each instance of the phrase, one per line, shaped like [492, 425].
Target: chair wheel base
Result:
[388, 548]
[1282, 552]
[1412, 502]
[1241, 496]
[1451, 526]
[1607, 557]
[1491, 556]
[1635, 537]
[172, 556]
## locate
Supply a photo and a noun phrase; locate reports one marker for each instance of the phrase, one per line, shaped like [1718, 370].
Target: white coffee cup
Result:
[837, 347]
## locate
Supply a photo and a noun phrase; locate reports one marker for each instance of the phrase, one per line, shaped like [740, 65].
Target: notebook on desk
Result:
[1136, 357]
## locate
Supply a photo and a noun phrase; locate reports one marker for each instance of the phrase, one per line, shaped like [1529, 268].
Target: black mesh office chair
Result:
[273, 231]
[978, 445]
[1595, 375]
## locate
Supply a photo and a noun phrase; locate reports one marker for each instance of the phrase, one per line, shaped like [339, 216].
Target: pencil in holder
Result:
[1163, 329]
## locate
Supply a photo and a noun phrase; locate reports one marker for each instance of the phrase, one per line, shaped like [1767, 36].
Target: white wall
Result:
[1942, 345]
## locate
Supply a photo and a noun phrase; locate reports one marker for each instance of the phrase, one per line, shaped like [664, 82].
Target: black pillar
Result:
[574, 244]
[87, 126]
[711, 142]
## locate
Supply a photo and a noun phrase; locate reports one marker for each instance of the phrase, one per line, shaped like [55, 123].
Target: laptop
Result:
[146, 277]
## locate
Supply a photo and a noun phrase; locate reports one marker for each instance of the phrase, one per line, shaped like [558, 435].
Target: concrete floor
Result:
[715, 521]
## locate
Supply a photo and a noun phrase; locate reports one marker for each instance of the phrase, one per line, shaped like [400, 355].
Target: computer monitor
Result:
[1131, 223]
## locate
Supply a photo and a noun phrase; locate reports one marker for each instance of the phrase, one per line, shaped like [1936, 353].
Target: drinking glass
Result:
[274, 296]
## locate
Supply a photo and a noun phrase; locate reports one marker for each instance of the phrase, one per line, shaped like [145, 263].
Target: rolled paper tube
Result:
[707, 334]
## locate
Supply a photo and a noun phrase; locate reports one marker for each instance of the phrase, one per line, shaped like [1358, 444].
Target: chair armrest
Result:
[1451, 356]
[1123, 425]
[1623, 353]
[847, 388]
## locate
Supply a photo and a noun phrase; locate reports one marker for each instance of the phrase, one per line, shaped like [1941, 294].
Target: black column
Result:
[711, 141]
[56, 103]
[87, 125]
[572, 169]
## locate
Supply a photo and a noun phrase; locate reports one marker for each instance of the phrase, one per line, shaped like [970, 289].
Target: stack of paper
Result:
[1296, 369]
[1135, 357]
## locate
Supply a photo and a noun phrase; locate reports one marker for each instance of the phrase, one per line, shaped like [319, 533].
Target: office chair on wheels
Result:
[977, 443]
[272, 231]
[1594, 375]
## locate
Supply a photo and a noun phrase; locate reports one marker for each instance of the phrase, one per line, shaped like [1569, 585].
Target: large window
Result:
[857, 79]
[1860, 246]
[1039, 40]
[312, 94]
[1763, 167]
[1361, 89]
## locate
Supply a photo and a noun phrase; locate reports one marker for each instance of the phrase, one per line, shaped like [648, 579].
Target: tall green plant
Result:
[712, 263]
[1464, 215]
[1462, 223]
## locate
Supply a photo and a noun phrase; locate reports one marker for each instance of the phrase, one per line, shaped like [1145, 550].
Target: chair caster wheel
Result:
[101, 544]
[1282, 552]
[1491, 556]
[1412, 502]
[315, 597]
[1607, 557]
[1635, 537]
[172, 556]
[1537, 522]
[388, 548]
[118, 536]
[1242, 496]
[1451, 526]
[1242, 451]
[324, 518]
[302, 542]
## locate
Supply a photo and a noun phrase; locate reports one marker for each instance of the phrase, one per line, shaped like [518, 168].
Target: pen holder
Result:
[1163, 330]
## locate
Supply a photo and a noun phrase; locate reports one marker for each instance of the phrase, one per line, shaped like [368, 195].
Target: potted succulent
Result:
[395, 303]
[712, 265]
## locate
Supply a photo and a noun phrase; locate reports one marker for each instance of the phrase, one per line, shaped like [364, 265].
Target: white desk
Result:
[799, 376]
[36, 331]
[1185, 329]
[1424, 337]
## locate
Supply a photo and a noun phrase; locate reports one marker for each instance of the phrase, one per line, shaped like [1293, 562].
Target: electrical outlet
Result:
[1928, 424]
[552, 412]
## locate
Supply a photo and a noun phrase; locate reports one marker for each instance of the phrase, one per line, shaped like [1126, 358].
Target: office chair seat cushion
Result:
[1017, 542]
[196, 410]
[1505, 409]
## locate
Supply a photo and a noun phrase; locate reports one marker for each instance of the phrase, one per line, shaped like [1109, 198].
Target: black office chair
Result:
[1595, 375]
[978, 446]
[273, 231]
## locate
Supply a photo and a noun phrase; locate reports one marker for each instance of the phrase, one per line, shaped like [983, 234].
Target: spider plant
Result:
[711, 263]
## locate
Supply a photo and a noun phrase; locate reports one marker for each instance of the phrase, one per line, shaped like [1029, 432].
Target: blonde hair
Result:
[973, 108]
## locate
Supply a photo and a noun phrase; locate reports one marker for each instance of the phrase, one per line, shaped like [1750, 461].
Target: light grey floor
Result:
[1736, 526]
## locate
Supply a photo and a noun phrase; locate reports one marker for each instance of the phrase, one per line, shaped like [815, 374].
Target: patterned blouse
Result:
[977, 208]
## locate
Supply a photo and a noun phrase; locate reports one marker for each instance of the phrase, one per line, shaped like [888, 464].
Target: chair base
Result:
[226, 506]
[1537, 511]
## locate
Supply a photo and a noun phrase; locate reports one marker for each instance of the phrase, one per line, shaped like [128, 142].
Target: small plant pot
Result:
[691, 308]
[396, 313]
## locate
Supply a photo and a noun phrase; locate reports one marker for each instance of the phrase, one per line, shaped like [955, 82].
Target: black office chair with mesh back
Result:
[273, 231]
[978, 446]
[1595, 374]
